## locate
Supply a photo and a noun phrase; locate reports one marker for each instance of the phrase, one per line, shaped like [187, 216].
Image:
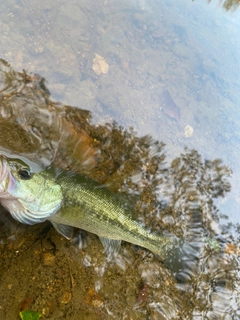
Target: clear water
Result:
[189, 49]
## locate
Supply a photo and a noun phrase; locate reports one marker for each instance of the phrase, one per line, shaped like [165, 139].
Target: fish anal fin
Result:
[111, 247]
[64, 230]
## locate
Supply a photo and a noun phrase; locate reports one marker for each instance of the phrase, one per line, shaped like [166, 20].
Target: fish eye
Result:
[24, 174]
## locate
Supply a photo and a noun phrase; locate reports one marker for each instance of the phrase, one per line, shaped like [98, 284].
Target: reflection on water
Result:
[229, 4]
[200, 282]
[31, 125]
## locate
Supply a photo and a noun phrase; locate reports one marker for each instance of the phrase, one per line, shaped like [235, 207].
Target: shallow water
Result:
[189, 49]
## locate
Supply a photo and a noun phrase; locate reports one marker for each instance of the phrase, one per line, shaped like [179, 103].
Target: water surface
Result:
[146, 48]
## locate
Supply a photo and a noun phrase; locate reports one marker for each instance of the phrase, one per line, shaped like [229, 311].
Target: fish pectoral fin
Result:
[64, 230]
[111, 247]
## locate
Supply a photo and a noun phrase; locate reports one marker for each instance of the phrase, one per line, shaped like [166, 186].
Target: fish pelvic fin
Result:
[111, 247]
[64, 230]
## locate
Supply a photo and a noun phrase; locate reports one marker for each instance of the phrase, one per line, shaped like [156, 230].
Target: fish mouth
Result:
[7, 181]
[4, 176]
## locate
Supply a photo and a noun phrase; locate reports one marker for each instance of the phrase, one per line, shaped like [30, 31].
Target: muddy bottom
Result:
[41, 271]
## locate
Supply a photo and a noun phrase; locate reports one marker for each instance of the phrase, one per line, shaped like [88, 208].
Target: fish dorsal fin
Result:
[111, 247]
[64, 230]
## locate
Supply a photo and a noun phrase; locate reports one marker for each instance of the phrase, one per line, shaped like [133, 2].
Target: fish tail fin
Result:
[180, 254]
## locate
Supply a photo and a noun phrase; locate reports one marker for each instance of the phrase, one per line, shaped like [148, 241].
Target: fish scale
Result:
[73, 200]
[96, 209]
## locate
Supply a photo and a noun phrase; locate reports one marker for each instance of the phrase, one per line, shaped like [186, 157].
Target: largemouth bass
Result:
[72, 200]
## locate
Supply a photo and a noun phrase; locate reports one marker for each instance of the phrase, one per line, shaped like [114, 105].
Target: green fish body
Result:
[72, 200]
[94, 208]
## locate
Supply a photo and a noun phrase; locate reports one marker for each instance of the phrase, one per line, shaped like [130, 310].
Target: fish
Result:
[70, 200]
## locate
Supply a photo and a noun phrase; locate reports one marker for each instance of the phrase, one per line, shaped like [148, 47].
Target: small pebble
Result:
[48, 259]
[188, 131]
[67, 296]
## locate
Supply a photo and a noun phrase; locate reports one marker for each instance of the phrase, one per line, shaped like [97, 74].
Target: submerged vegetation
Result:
[29, 315]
